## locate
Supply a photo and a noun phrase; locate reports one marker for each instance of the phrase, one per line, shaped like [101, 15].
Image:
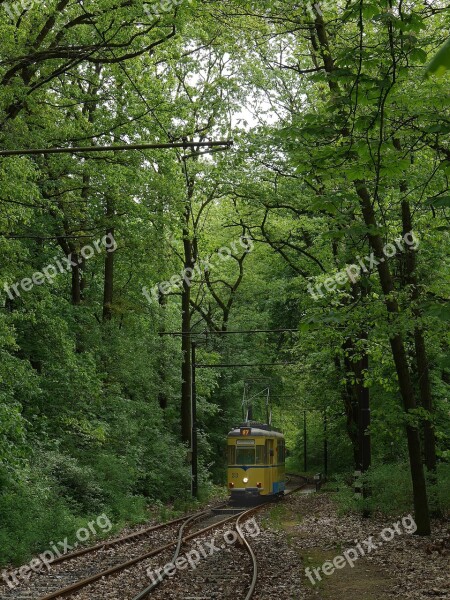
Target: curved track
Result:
[76, 570]
[297, 483]
[73, 572]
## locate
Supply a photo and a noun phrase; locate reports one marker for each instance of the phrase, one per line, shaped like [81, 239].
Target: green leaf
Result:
[438, 128]
[369, 11]
[441, 311]
[439, 201]
[440, 63]
[419, 55]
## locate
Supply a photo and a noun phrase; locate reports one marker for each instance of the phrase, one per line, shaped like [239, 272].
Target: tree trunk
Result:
[186, 374]
[162, 367]
[76, 279]
[356, 402]
[396, 341]
[108, 285]
[350, 399]
[423, 371]
[364, 415]
[426, 399]
[421, 358]
[401, 364]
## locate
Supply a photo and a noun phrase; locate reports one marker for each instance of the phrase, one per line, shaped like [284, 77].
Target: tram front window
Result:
[245, 456]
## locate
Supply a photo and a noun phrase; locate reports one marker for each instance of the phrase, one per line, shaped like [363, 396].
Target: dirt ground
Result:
[306, 531]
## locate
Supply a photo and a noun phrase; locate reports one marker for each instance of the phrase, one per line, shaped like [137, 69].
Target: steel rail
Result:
[116, 541]
[249, 549]
[145, 592]
[115, 569]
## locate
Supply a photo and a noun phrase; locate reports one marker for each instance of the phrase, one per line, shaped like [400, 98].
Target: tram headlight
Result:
[245, 480]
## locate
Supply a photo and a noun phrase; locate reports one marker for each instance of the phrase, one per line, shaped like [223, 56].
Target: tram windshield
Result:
[245, 456]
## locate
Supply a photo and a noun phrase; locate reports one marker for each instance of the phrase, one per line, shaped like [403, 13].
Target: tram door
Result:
[270, 461]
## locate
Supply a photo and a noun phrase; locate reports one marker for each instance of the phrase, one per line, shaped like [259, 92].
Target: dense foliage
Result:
[341, 151]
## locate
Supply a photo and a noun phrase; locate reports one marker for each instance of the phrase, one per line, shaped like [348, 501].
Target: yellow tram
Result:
[256, 457]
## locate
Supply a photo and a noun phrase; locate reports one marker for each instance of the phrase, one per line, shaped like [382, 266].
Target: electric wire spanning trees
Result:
[219, 145]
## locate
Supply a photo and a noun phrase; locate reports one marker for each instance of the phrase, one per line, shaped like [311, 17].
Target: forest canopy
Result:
[321, 224]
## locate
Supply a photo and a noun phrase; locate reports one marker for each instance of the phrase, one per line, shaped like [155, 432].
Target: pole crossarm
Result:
[224, 144]
[242, 332]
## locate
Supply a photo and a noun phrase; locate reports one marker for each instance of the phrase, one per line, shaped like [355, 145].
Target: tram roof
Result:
[257, 429]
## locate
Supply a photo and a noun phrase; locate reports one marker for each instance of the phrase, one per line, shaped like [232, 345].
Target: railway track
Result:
[214, 579]
[78, 569]
[130, 557]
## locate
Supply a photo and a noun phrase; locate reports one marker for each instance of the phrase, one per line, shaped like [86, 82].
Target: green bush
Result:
[165, 475]
[391, 490]
[32, 514]
[345, 496]
[117, 476]
[57, 496]
[77, 483]
[439, 490]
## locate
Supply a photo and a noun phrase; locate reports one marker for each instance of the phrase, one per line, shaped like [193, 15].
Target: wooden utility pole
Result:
[194, 427]
[305, 460]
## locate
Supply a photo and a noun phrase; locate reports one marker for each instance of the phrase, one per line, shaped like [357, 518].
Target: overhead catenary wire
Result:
[225, 366]
[222, 144]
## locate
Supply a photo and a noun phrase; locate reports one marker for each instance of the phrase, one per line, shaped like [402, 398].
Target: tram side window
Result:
[281, 452]
[231, 455]
[269, 452]
[260, 455]
[245, 456]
